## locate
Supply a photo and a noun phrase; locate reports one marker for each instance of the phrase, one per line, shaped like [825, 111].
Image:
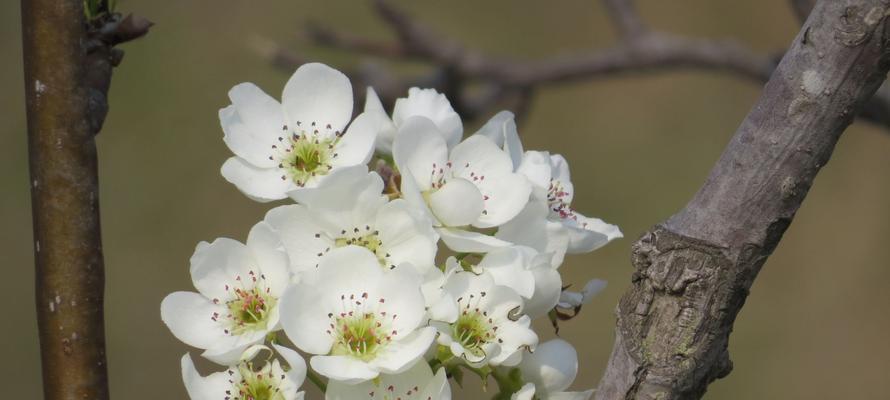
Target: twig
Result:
[68, 63]
[507, 81]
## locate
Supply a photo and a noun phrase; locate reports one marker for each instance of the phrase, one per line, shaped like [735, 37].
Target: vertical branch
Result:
[68, 63]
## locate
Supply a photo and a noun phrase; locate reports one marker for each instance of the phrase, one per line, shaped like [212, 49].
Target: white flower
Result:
[351, 210]
[549, 175]
[283, 147]
[420, 102]
[237, 304]
[474, 184]
[488, 328]
[524, 270]
[243, 382]
[570, 300]
[549, 371]
[359, 319]
[417, 383]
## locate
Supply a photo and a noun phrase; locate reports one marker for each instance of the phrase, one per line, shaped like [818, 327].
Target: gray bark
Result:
[694, 271]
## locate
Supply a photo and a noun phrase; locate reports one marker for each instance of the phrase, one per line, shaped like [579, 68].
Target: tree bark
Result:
[694, 271]
[68, 63]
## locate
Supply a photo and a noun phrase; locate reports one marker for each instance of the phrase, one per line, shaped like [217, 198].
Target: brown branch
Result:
[68, 63]
[639, 50]
[694, 271]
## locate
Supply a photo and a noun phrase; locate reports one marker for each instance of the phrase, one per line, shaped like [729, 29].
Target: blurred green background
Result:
[815, 326]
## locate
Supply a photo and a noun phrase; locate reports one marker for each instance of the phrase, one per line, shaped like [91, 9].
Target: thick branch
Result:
[693, 272]
[68, 66]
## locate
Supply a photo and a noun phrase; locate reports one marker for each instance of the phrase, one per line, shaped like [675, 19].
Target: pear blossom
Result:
[420, 102]
[417, 383]
[237, 303]
[563, 230]
[549, 371]
[472, 185]
[350, 209]
[489, 328]
[243, 381]
[358, 319]
[282, 147]
[526, 271]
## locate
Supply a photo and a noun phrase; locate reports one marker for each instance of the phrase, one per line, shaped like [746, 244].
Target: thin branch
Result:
[639, 50]
[694, 271]
[68, 63]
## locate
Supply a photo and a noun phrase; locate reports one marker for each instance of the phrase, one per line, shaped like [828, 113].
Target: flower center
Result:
[367, 238]
[473, 328]
[249, 307]
[472, 331]
[256, 385]
[558, 199]
[359, 331]
[304, 155]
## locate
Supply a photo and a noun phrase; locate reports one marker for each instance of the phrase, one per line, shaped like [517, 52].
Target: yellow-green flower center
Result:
[249, 310]
[304, 156]
[257, 385]
[472, 330]
[359, 335]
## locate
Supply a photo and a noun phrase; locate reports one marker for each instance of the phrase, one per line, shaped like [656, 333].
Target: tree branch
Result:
[68, 63]
[509, 83]
[694, 271]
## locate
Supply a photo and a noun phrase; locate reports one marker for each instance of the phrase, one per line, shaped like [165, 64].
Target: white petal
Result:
[480, 156]
[188, 314]
[560, 168]
[318, 93]
[401, 290]
[386, 130]
[571, 395]
[517, 337]
[411, 194]
[532, 228]
[231, 352]
[548, 287]
[510, 267]
[268, 251]
[343, 369]
[463, 241]
[418, 150]
[259, 184]
[535, 167]
[297, 372]
[433, 105]
[356, 146]
[588, 234]
[258, 110]
[305, 320]
[218, 264]
[505, 197]
[552, 367]
[406, 234]
[526, 392]
[212, 387]
[458, 203]
[501, 129]
[400, 355]
[297, 228]
[239, 137]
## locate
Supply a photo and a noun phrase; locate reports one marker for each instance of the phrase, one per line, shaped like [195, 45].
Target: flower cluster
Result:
[407, 256]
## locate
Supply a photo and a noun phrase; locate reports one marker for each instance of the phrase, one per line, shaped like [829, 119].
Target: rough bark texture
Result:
[694, 271]
[68, 65]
